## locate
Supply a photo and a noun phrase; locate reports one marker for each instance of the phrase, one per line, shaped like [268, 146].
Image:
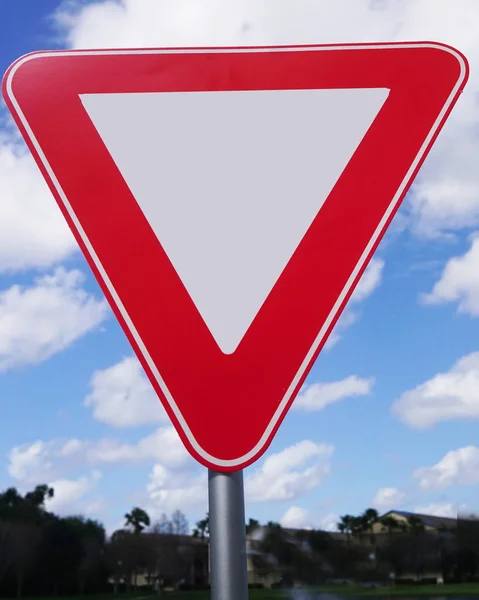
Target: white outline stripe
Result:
[310, 355]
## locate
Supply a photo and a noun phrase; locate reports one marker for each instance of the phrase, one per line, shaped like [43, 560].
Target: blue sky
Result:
[392, 418]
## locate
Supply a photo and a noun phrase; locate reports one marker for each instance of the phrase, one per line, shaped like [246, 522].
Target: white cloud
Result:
[368, 283]
[175, 490]
[437, 509]
[388, 498]
[46, 460]
[299, 518]
[329, 522]
[290, 473]
[370, 280]
[444, 397]
[32, 228]
[296, 518]
[286, 475]
[317, 396]
[447, 195]
[163, 445]
[459, 282]
[458, 467]
[38, 321]
[35, 463]
[122, 396]
[28, 460]
[70, 494]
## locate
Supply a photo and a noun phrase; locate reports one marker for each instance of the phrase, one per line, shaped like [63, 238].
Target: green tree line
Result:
[42, 553]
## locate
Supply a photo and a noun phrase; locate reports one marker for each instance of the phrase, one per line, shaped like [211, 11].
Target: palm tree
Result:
[390, 523]
[252, 525]
[358, 527]
[415, 524]
[369, 518]
[138, 519]
[346, 525]
[202, 528]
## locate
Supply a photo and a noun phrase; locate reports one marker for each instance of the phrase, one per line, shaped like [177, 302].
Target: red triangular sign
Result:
[228, 201]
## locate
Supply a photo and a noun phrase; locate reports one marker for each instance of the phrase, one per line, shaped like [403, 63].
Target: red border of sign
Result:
[188, 334]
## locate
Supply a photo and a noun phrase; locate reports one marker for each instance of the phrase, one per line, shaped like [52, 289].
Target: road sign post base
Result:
[228, 567]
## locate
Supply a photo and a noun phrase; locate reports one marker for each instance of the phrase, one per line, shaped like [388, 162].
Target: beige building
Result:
[431, 523]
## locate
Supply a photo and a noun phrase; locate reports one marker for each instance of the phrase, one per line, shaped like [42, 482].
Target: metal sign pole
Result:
[228, 569]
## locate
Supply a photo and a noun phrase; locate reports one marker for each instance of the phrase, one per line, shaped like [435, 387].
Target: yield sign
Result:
[228, 201]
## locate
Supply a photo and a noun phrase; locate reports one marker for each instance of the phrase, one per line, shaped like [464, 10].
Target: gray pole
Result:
[228, 570]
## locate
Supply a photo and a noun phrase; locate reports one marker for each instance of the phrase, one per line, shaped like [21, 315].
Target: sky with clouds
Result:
[390, 412]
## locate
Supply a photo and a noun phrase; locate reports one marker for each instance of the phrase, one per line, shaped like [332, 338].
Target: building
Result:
[168, 559]
[417, 552]
[431, 523]
[418, 543]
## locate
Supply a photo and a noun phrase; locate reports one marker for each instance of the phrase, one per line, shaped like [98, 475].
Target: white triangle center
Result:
[231, 181]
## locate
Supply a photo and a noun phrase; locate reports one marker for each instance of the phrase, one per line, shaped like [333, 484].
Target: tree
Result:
[44, 550]
[39, 495]
[164, 525]
[179, 523]
[25, 539]
[415, 524]
[369, 518]
[6, 555]
[29, 508]
[10, 501]
[390, 523]
[169, 556]
[293, 554]
[61, 553]
[138, 519]
[22, 519]
[202, 528]
[346, 525]
[121, 558]
[251, 525]
[91, 535]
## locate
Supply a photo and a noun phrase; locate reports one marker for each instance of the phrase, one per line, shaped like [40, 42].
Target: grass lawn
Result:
[457, 590]
[454, 590]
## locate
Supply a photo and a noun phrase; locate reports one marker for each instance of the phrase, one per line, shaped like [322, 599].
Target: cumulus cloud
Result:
[40, 320]
[296, 518]
[286, 475]
[169, 490]
[290, 473]
[122, 396]
[446, 396]
[39, 462]
[175, 480]
[299, 518]
[45, 460]
[317, 396]
[438, 509]
[368, 283]
[70, 495]
[459, 282]
[370, 280]
[388, 498]
[164, 444]
[446, 196]
[458, 467]
[32, 229]
[25, 461]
